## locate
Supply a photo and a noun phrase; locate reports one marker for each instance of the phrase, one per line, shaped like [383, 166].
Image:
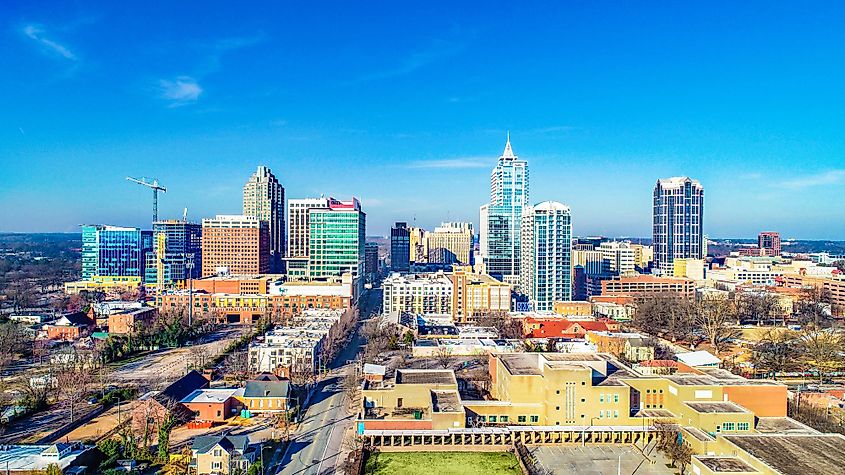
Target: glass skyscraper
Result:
[546, 269]
[678, 222]
[113, 251]
[501, 218]
[182, 243]
[336, 239]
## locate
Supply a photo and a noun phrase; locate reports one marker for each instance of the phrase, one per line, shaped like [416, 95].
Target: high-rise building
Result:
[400, 247]
[450, 243]
[678, 222]
[418, 245]
[617, 258]
[546, 268]
[501, 218]
[371, 261]
[264, 198]
[109, 251]
[336, 239]
[235, 244]
[769, 243]
[591, 260]
[176, 252]
[297, 231]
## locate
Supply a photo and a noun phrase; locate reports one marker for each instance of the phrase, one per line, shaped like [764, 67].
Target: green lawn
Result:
[442, 463]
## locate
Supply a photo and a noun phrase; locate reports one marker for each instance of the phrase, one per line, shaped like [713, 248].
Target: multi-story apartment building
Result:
[475, 295]
[546, 269]
[416, 294]
[114, 251]
[450, 243]
[264, 198]
[617, 258]
[297, 225]
[678, 222]
[400, 247]
[833, 287]
[336, 239]
[501, 219]
[643, 255]
[769, 243]
[235, 244]
[176, 253]
[648, 284]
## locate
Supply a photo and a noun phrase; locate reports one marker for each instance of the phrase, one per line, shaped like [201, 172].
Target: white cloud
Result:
[36, 33]
[452, 163]
[830, 177]
[181, 91]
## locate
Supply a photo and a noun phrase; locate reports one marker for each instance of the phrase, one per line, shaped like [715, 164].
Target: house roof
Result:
[552, 327]
[267, 389]
[183, 386]
[204, 443]
[697, 358]
[209, 396]
[73, 319]
[267, 377]
[370, 368]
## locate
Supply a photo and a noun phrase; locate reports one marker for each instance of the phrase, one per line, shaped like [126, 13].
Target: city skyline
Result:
[409, 110]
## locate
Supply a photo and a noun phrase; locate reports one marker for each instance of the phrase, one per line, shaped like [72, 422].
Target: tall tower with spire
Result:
[501, 219]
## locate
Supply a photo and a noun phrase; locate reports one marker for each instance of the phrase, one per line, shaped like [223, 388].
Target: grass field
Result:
[442, 463]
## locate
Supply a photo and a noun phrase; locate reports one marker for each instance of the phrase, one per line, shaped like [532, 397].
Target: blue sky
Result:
[407, 106]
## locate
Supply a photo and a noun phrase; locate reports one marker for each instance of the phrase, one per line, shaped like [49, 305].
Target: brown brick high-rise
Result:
[237, 243]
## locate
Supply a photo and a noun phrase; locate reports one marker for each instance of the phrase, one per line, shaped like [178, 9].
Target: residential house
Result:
[266, 396]
[222, 454]
[33, 459]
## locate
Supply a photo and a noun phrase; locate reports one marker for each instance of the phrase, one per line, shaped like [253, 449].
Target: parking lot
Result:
[599, 460]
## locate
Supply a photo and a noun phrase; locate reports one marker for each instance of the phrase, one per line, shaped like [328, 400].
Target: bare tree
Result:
[351, 388]
[822, 350]
[74, 377]
[670, 315]
[444, 356]
[776, 351]
[758, 308]
[814, 306]
[237, 366]
[716, 317]
[507, 327]
[199, 356]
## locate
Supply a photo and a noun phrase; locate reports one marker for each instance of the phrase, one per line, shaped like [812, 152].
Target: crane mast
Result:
[155, 187]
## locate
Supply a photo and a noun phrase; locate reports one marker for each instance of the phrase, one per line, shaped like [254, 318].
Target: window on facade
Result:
[482, 419]
[520, 419]
[492, 418]
[399, 404]
[503, 418]
[742, 426]
[728, 426]
[601, 397]
[615, 398]
[535, 418]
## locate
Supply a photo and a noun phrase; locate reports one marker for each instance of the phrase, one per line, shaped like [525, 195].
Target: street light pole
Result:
[189, 265]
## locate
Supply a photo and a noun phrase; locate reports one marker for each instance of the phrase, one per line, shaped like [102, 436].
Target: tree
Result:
[507, 327]
[758, 308]
[776, 351]
[236, 365]
[74, 377]
[443, 355]
[351, 387]
[671, 315]
[822, 350]
[716, 318]
[813, 306]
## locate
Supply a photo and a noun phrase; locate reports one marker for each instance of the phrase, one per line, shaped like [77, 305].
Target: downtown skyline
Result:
[411, 122]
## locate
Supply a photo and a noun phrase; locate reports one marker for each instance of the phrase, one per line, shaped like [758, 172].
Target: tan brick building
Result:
[236, 244]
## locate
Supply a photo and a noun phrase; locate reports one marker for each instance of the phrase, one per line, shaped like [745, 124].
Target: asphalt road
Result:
[316, 446]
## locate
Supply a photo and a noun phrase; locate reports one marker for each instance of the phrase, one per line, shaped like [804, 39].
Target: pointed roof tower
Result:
[508, 153]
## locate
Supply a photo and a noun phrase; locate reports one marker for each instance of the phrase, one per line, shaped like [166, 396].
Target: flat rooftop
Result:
[446, 401]
[782, 425]
[795, 454]
[656, 413]
[715, 407]
[425, 376]
[699, 434]
[725, 464]
[522, 363]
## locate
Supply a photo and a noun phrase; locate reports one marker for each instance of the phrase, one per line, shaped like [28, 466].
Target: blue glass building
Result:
[113, 251]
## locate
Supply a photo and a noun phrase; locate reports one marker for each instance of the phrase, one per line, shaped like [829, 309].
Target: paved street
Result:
[317, 444]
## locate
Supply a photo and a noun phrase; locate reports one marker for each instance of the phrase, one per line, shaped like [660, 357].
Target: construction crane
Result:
[155, 187]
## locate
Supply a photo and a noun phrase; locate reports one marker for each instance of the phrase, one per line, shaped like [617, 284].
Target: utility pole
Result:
[189, 265]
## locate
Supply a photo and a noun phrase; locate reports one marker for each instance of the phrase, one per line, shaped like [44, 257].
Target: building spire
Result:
[508, 153]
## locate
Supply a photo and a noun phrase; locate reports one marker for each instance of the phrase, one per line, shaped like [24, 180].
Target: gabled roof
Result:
[75, 318]
[204, 443]
[183, 386]
[267, 389]
[370, 368]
